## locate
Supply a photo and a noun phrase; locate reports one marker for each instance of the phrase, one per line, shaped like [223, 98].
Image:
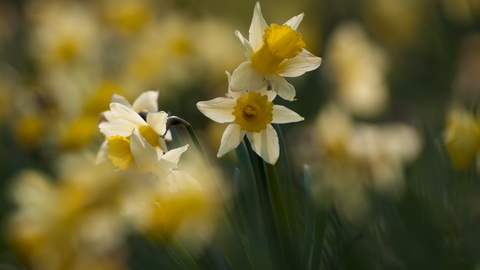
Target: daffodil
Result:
[118, 132]
[273, 52]
[249, 113]
[462, 137]
[147, 101]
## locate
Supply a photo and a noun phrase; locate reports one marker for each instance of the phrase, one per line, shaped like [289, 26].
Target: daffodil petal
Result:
[257, 28]
[299, 64]
[219, 109]
[120, 127]
[269, 93]
[142, 151]
[128, 114]
[109, 116]
[246, 45]
[295, 21]
[283, 115]
[180, 180]
[147, 101]
[281, 86]
[116, 98]
[234, 94]
[171, 158]
[158, 122]
[246, 77]
[102, 155]
[265, 144]
[162, 145]
[231, 138]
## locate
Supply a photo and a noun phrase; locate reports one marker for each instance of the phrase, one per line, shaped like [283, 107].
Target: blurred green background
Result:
[391, 71]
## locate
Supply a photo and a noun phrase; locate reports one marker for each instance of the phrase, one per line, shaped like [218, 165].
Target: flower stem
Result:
[174, 120]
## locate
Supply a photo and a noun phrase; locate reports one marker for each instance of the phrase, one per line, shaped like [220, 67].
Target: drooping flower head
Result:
[122, 119]
[249, 113]
[273, 52]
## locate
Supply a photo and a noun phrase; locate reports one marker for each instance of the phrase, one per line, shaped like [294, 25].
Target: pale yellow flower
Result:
[273, 52]
[251, 114]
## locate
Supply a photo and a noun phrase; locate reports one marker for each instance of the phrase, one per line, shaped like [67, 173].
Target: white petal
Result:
[234, 94]
[171, 158]
[257, 28]
[265, 144]
[246, 77]
[180, 180]
[295, 21]
[269, 93]
[120, 127]
[109, 116]
[142, 151]
[162, 145]
[219, 109]
[116, 98]
[281, 86]
[158, 122]
[231, 138]
[102, 155]
[283, 115]
[246, 45]
[147, 101]
[128, 114]
[299, 64]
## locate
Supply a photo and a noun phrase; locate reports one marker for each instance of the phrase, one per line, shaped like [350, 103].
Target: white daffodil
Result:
[147, 101]
[249, 113]
[117, 132]
[273, 52]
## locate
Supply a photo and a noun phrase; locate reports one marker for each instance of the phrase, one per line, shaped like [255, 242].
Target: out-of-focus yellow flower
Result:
[28, 130]
[128, 15]
[251, 114]
[358, 69]
[462, 137]
[63, 32]
[69, 225]
[376, 154]
[273, 52]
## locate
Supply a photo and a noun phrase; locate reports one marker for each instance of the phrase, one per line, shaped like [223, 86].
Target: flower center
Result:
[120, 154]
[279, 43]
[253, 112]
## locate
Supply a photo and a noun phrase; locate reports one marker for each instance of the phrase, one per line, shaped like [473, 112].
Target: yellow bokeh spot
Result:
[279, 43]
[168, 214]
[462, 137]
[28, 130]
[68, 49]
[81, 131]
[120, 154]
[253, 112]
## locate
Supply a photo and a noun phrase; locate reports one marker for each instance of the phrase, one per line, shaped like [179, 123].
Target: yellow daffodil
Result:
[117, 147]
[273, 52]
[462, 137]
[251, 114]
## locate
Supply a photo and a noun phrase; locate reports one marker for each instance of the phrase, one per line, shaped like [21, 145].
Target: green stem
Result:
[281, 220]
[288, 189]
[173, 120]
